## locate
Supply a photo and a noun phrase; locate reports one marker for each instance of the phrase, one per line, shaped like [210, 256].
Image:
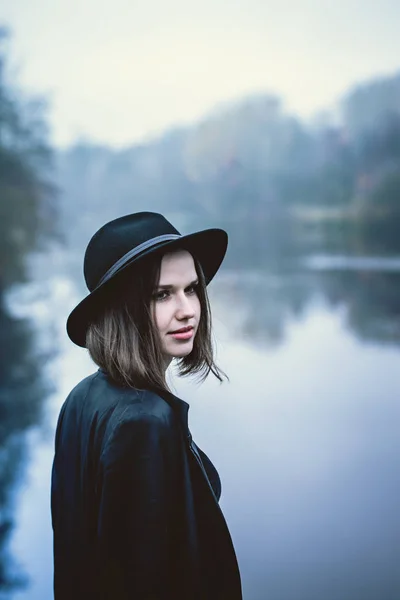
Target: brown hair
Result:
[123, 340]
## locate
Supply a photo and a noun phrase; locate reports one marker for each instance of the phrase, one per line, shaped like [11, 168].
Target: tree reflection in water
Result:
[265, 303]
[22, 395]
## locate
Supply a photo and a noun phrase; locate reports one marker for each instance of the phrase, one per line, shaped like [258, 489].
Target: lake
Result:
[305, 435]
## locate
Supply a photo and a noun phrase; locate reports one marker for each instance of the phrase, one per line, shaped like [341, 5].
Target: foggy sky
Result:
[118, 71]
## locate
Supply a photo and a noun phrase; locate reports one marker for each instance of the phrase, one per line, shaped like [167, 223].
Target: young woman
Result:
[135, 508]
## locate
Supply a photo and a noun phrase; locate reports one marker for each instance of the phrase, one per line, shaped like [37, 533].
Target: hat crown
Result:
[118, 237]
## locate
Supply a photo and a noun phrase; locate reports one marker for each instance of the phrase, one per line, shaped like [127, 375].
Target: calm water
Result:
[305, 435]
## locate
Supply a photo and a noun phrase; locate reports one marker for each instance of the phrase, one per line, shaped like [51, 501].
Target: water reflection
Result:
[372, 301]
[22, 394]
[265, 303]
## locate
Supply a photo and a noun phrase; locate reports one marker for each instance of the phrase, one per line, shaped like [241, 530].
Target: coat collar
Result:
[180, 407]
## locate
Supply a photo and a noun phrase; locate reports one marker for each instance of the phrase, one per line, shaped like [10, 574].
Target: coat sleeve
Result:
[139, 497]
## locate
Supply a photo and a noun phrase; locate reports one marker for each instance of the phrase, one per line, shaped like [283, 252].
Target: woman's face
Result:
[176, 305]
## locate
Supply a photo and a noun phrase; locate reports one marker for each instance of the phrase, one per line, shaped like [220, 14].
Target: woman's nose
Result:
[185, 308]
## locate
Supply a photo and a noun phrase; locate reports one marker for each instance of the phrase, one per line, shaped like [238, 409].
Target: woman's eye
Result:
[162, 295]
[192, 289]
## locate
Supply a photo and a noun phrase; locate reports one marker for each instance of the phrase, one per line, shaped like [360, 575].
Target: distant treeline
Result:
[281, 186]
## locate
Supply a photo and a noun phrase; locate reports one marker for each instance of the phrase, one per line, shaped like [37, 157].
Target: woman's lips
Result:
[183, 334]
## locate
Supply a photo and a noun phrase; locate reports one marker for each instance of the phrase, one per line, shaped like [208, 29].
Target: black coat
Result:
[133, 512]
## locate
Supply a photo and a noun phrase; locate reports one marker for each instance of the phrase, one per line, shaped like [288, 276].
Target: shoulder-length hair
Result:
[123, 339]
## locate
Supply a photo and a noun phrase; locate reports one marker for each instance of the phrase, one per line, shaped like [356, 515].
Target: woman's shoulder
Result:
[99, 396]
[98, 407]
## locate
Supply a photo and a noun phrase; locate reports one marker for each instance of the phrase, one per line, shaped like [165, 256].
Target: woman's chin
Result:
[178, 350]
[182, 352]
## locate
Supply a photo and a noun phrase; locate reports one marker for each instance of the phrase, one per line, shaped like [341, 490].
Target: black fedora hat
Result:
[125, 241]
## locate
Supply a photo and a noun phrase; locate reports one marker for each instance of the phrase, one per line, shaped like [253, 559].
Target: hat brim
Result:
[207, 246]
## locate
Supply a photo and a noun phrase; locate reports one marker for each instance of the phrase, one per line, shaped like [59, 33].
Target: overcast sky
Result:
[121, 70]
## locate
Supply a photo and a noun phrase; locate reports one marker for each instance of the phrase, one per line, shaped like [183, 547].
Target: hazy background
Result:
[279, 122]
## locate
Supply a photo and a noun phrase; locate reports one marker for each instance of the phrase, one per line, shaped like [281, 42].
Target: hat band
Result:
[134, 252]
